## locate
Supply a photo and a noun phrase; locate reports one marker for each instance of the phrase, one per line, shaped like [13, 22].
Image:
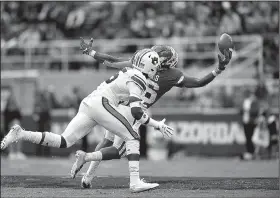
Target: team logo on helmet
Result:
[146, 61]
[155, 60]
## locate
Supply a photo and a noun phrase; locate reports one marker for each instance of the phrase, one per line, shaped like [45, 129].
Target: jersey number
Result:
[151, 94]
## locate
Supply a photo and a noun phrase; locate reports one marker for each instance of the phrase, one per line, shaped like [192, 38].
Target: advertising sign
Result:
[219, 134]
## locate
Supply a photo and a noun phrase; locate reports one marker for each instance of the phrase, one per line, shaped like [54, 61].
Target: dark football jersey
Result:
[163, 81]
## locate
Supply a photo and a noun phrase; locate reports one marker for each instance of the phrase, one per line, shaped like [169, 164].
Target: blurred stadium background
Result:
[42, 66]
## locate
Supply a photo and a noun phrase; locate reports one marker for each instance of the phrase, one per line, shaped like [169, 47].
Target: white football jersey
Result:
[115, 88]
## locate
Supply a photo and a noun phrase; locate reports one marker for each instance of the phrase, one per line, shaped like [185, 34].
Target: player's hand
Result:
[165, 130]
[86, 48]
[223, 62]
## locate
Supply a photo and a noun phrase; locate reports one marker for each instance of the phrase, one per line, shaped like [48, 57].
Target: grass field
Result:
[188, 177]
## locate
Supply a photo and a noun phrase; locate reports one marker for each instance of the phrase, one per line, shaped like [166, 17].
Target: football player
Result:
[101, 107]
[166, 78]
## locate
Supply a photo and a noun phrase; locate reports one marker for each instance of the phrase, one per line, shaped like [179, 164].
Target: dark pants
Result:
[143, 142]
[249, 131]
[43, 125]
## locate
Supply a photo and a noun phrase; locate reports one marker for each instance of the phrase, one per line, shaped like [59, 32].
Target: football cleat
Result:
[80, 161]
[86, 182]
[14, 135]
[142, 186]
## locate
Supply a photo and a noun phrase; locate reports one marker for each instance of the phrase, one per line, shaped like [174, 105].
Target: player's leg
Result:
[136, 185]
[116, 151]
[120, 125]
[78, 127]
[114, 121]
[108, 152]
[17, 134]
[119, 149]
[104, 152]
[107, 141]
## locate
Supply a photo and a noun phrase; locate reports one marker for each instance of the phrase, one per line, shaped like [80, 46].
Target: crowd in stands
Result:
[29, 23]
[138, 19]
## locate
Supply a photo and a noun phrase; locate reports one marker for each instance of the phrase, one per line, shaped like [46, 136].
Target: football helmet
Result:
[147, 61]
[167, 55]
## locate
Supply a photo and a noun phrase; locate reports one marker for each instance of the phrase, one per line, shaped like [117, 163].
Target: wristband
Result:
[153, 123]
[92, 53]
[216, 72]
[144, 119]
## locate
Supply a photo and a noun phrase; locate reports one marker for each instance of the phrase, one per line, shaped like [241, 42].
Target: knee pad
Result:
[132, 147]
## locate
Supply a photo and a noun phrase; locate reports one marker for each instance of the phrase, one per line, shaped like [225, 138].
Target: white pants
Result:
[118, 142]
[98, 110]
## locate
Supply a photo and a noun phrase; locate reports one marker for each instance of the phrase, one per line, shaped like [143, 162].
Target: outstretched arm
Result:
[118, 65]
[191, 82]
[106, 59]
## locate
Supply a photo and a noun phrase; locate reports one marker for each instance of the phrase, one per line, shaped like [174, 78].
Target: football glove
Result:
[164, 129]
[225, 61]
[86, 48]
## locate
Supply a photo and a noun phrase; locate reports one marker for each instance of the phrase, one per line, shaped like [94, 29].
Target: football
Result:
[225, 43]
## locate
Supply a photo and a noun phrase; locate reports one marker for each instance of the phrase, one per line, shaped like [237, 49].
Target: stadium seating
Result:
[34, 24]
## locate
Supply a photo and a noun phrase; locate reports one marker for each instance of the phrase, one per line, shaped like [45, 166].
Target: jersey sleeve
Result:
[134, 91]
[138, 78]
[177, 77]
[139, 81]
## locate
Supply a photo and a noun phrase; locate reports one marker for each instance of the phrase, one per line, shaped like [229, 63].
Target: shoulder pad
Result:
[139, 79]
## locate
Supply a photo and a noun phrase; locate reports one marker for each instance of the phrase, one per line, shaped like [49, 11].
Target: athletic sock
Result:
[134, 172]
[45, 138]
[133, 156]
[34, 137]
[94, 156]
[92, 168]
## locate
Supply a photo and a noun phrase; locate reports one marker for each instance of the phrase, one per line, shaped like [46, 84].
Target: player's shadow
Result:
[174, 184]
[97, 183]
[61, 182]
